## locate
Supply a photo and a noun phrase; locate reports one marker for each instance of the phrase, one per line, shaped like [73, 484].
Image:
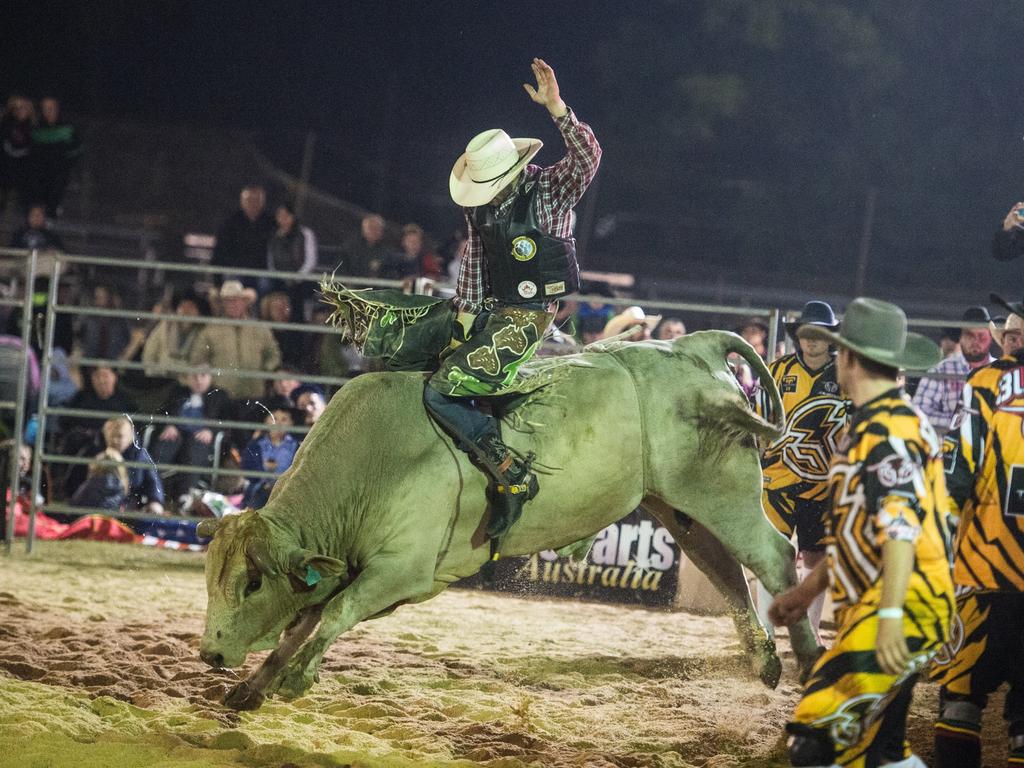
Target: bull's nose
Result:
[213, 659]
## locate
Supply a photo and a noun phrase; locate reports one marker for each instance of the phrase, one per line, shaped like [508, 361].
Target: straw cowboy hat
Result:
[877, 330]
[491, 162]
[233, 289]
[628, 318]
[1014, 320]
[814, 313]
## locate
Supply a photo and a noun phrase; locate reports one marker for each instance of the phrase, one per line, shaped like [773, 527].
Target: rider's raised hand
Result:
[546, 92]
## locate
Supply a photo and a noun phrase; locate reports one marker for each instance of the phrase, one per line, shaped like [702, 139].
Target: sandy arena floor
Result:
[99, 667]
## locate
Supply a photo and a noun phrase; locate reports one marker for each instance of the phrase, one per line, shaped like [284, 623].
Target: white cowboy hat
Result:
[491, 162]
[232, 289]
[1014, 322]
[629, 317]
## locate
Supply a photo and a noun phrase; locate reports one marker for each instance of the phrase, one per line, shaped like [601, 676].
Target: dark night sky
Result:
[412, 81]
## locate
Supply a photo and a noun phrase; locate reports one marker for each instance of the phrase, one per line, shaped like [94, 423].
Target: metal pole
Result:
[773, 332]
[44, 394]
[307, 169]
[19, 411]
[865, 241]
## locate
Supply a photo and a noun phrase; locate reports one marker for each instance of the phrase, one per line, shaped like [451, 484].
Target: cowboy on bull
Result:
[519, 259]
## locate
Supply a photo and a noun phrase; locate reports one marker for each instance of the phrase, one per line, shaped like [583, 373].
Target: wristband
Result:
[890, 613]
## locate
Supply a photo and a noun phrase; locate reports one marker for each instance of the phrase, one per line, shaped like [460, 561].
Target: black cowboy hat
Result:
[975, 314]
[814, 313]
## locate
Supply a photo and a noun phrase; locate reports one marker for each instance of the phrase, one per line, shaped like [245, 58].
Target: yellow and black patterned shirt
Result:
[985, 474]
[797, 463]
[886, 483]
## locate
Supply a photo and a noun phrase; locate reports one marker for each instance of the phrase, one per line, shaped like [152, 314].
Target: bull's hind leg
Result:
[726, 500]
[715, 561]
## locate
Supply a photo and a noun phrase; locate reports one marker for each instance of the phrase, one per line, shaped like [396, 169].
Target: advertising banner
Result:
[632, 561]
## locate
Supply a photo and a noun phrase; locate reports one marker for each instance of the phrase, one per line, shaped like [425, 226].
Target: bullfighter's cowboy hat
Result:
[814, 313]
[628, 318]
[877, 330]
[491, 162]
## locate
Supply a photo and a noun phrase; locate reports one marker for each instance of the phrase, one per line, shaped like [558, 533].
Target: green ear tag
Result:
[312, 576]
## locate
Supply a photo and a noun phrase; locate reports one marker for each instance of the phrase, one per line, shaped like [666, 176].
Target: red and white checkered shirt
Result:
[560, 187]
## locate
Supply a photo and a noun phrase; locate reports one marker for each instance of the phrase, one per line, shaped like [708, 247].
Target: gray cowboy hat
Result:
[877, 330]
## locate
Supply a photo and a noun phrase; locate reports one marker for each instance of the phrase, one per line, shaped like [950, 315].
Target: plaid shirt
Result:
[559, 189]
[939, 398]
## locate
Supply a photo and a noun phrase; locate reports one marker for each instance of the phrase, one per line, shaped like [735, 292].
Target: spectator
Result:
[670, 328]
[1010, 337]
[242, 239]
[634, 319]
[36, 234]
[939, 397]
[16, 125]
[754, 331]
[271, 450]
[247, 347]
[591, 328]
[190, 443]
[311, 402]
[144, 489]
[82, 435]
[365, 253]
[171, 341]
[56, 150]
[105, 485]
[277, 307]
[284, 387]
[328, 355]
[414, 260]
[1009, 241]
[949, 342]
[292, 249]
[105, 337]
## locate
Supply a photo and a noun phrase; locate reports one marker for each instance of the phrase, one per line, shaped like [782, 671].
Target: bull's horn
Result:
[207, 528]
[259, 553]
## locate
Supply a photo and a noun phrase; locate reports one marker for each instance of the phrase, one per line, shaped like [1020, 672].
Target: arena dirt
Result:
[99, 667]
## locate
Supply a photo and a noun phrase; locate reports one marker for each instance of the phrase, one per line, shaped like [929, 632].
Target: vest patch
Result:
[524, 248]
[788, 384]
[527, 289]
[550, 288]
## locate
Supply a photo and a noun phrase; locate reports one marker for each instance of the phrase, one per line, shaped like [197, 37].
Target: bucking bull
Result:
[379, 508]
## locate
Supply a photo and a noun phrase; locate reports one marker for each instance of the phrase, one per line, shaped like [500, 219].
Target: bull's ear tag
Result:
[312, 576]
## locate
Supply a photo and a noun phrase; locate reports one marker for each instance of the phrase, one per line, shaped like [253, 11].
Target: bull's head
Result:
[258, 581]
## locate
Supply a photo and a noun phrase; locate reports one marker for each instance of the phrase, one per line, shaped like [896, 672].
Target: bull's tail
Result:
[729, 408]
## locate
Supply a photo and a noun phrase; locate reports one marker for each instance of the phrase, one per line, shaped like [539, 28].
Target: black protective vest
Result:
[525, 264]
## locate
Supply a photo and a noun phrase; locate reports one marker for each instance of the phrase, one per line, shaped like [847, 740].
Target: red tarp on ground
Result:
[94, 527]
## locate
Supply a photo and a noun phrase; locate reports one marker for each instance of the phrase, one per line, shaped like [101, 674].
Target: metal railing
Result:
[27, 262]
[42, 456]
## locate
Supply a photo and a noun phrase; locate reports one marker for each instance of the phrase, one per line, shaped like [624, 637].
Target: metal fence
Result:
[58, 265]
[21, 269]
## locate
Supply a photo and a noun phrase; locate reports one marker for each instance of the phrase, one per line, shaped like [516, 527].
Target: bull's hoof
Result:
[244, 697]
[295, 683]
[771, 671]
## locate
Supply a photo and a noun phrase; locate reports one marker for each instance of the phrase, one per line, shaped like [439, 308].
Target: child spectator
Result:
[271, 450]
[111, 484]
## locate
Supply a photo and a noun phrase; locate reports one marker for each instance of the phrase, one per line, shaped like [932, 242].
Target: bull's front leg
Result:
[248, 694]
[383, 583]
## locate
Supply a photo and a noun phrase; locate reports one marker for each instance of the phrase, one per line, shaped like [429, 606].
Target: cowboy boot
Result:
[512, 485]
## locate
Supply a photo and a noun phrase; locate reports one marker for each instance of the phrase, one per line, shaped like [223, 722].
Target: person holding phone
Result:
[1009, 241]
